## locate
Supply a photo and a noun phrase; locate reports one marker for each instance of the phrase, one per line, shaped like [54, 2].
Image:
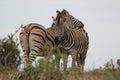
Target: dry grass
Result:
[7, 73]
[97, 74]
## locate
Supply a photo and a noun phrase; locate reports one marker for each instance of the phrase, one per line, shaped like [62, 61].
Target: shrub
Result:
[10, 54]
[48, 69]
[118, 63]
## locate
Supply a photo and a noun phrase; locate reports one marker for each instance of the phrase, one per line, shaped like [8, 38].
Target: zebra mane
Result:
[56, 20]
[79, 23]
[58, 16]
[71, 19]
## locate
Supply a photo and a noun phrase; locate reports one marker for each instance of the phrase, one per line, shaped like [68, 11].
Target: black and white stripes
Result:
[75, 40]
[71, 21]
[33, 37]
[66, 30]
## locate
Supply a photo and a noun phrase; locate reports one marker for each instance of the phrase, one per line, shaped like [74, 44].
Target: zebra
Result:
[72, 23]
[74, 40]
[33, 38]
[29, 42]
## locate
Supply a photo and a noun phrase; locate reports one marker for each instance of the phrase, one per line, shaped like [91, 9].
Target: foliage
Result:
[48, 69]
[112, 75]
[10, 55]
[109, 65]
[118, 63]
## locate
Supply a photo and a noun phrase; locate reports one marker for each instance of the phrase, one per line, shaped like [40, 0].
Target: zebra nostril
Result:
[57, 40]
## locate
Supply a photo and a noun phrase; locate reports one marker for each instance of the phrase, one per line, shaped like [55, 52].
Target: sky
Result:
[100, 17]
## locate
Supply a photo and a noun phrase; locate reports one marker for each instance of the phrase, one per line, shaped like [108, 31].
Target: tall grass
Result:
[48, 69]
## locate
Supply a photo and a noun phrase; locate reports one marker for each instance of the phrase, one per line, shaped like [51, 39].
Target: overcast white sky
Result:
[100, 17]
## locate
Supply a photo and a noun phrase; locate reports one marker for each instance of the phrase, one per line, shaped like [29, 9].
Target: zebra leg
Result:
[30, 59]
[27, 61]
[82, 68]
[65, 60]
[83, 62]
[78, 62]
[73, 54]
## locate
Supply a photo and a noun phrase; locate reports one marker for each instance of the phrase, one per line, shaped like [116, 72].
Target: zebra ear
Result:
[64, 12]
[57, 11]
[53, 18]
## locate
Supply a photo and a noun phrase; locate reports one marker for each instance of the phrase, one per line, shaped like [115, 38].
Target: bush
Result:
[118, 63]
[10, 54]
[48, 69]
[109, 65]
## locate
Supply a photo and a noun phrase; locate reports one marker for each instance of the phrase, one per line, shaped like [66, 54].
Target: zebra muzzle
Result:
[57, 40]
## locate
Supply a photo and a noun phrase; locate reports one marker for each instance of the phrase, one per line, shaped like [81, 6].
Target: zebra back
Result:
[33, 38]
[23, 36]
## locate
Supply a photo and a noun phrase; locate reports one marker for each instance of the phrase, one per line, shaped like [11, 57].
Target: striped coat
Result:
[71, 21]
[33, 37]
[75, 40]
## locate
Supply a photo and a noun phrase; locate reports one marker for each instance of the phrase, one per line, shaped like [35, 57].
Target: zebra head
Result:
[59, 24]
[65, 16]
[64, 12]
[71, 21]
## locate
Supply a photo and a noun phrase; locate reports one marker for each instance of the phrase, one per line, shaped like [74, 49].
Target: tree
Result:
[118, 63]
[9, 52]
[107, 66]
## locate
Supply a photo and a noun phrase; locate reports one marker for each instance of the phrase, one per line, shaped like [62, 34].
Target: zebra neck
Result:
[74, 23]
[68, 40]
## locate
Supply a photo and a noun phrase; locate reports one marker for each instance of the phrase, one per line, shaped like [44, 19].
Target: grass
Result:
[48, 69]
[7, 73]
[51, 73]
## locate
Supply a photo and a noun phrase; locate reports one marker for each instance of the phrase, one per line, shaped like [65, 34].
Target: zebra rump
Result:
[33, 38]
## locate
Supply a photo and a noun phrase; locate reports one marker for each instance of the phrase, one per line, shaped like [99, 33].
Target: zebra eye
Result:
[64, 19]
